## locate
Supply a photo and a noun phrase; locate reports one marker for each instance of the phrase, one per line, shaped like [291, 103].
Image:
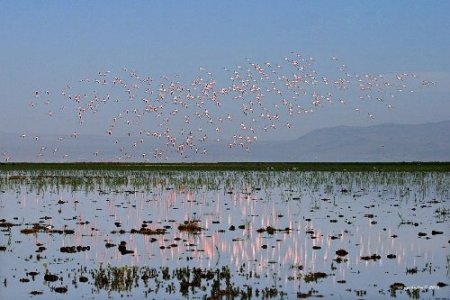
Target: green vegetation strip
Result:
[238, 166]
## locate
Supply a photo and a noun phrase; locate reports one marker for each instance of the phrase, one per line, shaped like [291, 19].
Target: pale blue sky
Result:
[47, 44]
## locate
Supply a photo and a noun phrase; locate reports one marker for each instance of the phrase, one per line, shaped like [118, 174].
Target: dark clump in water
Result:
[314, 276]
[273, 230]
[123, 248]
[35, 293]
[373, 257]
[50, 277]
[149, 231]
[341, 252]
[110, 245]
[191, 226]
[61, 290]
[74, 249]
[393, 288]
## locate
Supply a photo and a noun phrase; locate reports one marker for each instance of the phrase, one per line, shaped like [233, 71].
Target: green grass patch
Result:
[239, 166]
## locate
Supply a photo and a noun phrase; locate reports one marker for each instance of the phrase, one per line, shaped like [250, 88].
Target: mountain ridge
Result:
[387, 142]
[381, 142]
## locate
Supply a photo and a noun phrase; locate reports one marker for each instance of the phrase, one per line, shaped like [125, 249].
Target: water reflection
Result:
[277, 232]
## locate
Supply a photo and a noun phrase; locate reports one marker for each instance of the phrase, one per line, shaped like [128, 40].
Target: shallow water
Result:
[262, 234]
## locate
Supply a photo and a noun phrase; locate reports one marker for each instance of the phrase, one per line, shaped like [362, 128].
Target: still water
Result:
[214, 234]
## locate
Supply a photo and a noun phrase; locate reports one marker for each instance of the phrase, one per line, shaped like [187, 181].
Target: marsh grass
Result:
[146, 181]
[442, 214]
[212, 283]
[191, 226]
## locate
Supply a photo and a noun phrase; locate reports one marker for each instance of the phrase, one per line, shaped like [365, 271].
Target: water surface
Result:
[258, 234]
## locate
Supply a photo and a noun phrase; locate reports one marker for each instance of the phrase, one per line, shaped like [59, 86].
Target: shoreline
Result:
[235, 166]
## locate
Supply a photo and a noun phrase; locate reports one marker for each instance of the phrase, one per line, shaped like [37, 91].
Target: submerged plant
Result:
[442, 214]
[191, 226]
[406, 222]
[314, 276]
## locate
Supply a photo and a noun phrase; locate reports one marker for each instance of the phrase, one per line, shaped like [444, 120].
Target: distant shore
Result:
[236, 166]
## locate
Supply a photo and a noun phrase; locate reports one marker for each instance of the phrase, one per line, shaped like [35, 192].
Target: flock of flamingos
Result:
[162, 115]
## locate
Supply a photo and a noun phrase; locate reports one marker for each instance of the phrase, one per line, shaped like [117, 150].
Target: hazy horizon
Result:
[375, 143]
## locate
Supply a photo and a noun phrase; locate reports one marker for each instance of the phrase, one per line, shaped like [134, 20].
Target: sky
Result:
[50, 45]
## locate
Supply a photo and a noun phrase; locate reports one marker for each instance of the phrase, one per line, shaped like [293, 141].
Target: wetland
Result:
[215, 231]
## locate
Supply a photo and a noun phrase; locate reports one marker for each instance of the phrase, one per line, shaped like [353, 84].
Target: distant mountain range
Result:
[386, 142]
[378, 143]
